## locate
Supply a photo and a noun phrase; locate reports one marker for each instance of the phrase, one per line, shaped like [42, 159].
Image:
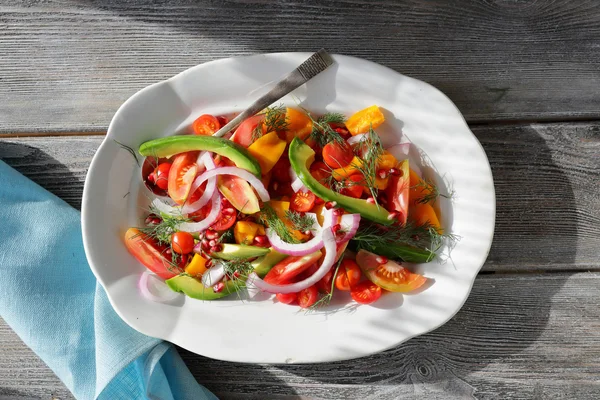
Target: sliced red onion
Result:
[356, 139]
[213, 275]
[349, 223]
[328, 261]
[210, 219]
[239, 172]
[300, 249]
[210, 189]
[296, 182]
[165, 208]
[155, 289]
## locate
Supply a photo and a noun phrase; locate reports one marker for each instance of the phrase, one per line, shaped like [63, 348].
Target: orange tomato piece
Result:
[363, 120]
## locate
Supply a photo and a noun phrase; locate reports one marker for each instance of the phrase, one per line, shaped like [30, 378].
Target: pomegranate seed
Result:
[381, 260]
[382, 173]
[153, 219]
[335, 229]
[228, 211]
[393, 215]
[212, 243]
[319, 201]
[183, 261]
[152, 178]
[216, 248]
[211, 234]
[395, 172]
[338, 212]
[219, 287]
[330, 204]
[204, 245]
[261, 240]
[225, 203]
[371, 200]
[236, 274]
[168, 253]
[208, 263]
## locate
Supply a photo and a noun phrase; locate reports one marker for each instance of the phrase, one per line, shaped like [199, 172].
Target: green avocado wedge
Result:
[193, 288]
[301, 155]
[168, 146]
[237, 251]
[264, 264]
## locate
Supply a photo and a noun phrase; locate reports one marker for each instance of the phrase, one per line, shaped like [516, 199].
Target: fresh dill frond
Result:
[129, 150]
[269, 217]
[299, 221]
[370, 160]
[162, 231]
[326, 299]
[274, 121]
[429, 192]
[332, 118]
[226, 237]
[322, 133]
[239, 266]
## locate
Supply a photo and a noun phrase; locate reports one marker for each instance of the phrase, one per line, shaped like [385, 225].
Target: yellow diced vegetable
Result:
[299, 124]
[267, 150]
[385, 162]
[345, 172]
[196, 267]
[244, 232]
[361, 121]
[280, 208]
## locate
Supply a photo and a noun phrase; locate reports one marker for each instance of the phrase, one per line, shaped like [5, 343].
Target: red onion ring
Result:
[349, 223]
[211, 186]
[297, 249]
[155, 289]
[211, 218]
[213, 275]
[239, 172]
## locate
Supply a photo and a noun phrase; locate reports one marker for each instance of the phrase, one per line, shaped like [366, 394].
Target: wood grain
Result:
[547, 180]
[68, 65]
[517, 336]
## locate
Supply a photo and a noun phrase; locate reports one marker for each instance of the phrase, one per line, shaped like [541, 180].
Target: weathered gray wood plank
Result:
[547, 181]
[68, 65]
[518, 336]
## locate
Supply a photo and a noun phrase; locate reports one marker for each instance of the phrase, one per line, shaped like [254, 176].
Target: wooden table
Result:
[525, 75]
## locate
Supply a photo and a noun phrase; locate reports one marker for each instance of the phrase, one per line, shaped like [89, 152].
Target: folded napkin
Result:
[51, 299]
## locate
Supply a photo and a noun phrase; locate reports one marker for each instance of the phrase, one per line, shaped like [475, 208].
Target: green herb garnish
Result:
[269, 217]
[300, 222]
[322, 133]
[274, 121]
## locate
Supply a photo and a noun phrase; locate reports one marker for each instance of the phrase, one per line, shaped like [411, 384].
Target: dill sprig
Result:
[226, 237]
[129, 150]
[162, 231]
[300, 222]
[326, 299]
[370, 161]
[269, 217]
[322, 133]
[429, 192]
[241, 266]
[274, 121]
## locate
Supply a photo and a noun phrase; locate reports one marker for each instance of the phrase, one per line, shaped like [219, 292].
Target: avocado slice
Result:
[168, 146]
[301, 155]
[193, 288]
[235, 251]
[264, 264]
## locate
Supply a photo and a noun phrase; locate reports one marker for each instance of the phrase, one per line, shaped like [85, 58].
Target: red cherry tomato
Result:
[324, 285]
[302, 201]
[287, 298]
[206, 125]
[307, 297]
[352, 186]
[160, 176]
[348, 275]
[320, 171]
[337, 155]
[181, 175]
[243, 134]
[365, 292]
[290, 267]
[147, 251]
[182, 242]
[226, 220]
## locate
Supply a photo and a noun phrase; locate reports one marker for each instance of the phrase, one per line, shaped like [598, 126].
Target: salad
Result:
[290, 204]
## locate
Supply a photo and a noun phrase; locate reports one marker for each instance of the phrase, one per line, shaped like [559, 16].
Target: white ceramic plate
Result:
[265, 331]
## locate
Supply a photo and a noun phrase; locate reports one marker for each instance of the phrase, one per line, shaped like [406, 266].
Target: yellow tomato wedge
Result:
[299, 124]
[267, 150]
[362, 121]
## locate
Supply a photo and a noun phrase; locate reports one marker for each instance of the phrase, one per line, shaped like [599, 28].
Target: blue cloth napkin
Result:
[51, 299]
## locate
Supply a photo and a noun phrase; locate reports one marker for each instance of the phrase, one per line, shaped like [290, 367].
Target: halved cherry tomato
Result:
[227, 219]
[324, 285]
[287, 298]
[365, 292]
[398, 190]
[290, 267]
[307, 297]
[149, 253]
[348, 275]
[302, 201]
[206, 125]
[182, 242]
[352, 186]
[243, 134]
[337, 155]
[320, 171]
[181, 175]
[160, 176]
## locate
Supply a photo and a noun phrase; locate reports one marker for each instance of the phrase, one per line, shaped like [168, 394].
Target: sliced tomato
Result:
[320, 171]
[352, 186]
[324, 285]
[348, 275]
[243, 134]
[398, 190]
[181, 175]
[302, 201]
[337, 155]
[365, 292]
[389, 275]
[287, 298]
[227, 219]
[307, 297]
[206, 125]
[149, 253]
[239, 193]
[286, 270]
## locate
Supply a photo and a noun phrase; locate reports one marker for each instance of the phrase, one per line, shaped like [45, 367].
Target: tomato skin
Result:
[337, 155]
[206, 125]
[352, 188]
[181, 176]
[287, 298]
[243, 134]
[348, 275]
[281, 170]
[290, 267]
[307, 297]
[324, 285]
[227, 219]
[149, 253]
[160, 176]
[365, 292]
[320, 171]
[302, 201]
[182, 242]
